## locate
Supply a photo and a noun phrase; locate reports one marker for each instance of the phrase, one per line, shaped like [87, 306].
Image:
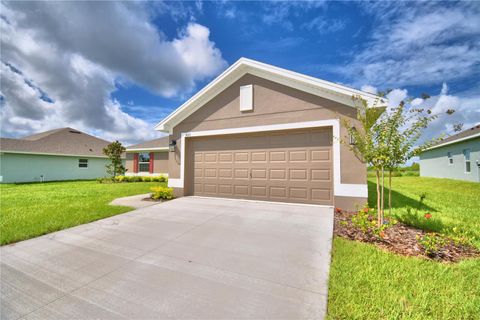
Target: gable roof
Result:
[160, 144]
[468, 134]
[322, 88]
[62, 141]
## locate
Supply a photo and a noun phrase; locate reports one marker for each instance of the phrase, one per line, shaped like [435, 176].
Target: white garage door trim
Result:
[339, 189]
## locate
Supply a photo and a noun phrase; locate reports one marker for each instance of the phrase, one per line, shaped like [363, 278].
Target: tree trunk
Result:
[390, 192]
[383, 197]
[379, 216]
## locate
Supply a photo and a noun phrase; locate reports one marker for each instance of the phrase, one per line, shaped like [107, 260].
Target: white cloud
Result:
[422, 44]
[74, 52]
[370, 89]
[324, 25]
[396, 96]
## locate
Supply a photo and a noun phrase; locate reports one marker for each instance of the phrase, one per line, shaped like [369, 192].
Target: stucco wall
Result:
[273, 104]
[434, 163]
[28, 168]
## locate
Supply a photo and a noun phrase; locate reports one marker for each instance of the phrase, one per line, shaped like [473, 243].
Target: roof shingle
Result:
[63, 141]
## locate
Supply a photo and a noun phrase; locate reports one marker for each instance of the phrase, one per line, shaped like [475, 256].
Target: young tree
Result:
[388, 138]
[114, 151]
[363, 140]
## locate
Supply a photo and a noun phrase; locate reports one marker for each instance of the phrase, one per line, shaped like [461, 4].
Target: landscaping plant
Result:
[114, 152]
[385, 138]
[162, 193]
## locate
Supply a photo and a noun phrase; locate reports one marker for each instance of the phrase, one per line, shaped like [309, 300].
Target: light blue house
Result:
[456, 157]
[60, 154]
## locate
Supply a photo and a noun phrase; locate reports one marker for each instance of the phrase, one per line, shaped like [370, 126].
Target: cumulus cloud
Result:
[423, 44]
[465, 104]
[74, 52]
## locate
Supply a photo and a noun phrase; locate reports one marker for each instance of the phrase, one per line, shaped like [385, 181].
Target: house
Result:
[264, 133]
[60, 154]
[456, 157]
[149, 158]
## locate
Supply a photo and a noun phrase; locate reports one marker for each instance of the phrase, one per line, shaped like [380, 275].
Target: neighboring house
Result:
[456, 157]
[265, 133]
[148, 158]
[60, 154]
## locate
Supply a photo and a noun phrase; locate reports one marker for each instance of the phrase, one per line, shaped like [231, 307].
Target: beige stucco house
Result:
[264, 133]
[148, 158]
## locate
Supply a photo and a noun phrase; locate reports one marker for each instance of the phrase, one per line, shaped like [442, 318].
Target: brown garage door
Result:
[287, 166]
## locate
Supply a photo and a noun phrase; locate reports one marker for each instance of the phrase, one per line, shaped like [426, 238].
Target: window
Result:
[466, 156]
[144, 162]
[450, 158]
[83, 163]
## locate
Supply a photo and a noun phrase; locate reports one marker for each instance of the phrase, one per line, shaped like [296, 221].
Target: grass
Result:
[30, 210]
[369, 283]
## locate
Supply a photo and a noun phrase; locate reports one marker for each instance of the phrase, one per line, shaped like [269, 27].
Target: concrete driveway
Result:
[186, 258]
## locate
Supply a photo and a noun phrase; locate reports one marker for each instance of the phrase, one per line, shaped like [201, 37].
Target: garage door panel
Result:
[210, 173]
[298, 174]
[298, 193]
[298, 156]
[318, 194]
[225, 173]
[278, 192]
[320, 155]
[259, 174]
[241, 190]
[259, 191]
[321, 175]
[241, 157]
[225, 157]
[278, 174]
[225, 189]
[278, 156]
[281, 166]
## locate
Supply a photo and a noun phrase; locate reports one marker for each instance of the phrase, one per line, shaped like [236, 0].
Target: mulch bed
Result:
[402, 239]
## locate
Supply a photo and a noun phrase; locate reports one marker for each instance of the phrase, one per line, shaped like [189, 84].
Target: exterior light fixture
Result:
[171, 146]
[351, 138]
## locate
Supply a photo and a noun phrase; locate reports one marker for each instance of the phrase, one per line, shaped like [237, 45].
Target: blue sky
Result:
[115, 69]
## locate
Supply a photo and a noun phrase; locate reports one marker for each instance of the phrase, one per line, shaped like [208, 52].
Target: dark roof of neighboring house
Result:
[63, 141]
[151, 144]
[464, 135]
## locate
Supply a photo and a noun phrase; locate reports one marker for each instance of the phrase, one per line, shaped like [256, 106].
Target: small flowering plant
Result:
[365, 220]
[428, 215]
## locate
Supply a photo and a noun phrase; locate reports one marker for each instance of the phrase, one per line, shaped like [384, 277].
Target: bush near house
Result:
[120, 179]
[162, 193]
[369, 283]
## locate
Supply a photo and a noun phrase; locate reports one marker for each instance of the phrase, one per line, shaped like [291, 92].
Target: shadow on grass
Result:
[398, 200]
[408, 210]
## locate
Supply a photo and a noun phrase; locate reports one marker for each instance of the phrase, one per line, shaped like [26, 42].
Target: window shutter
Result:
[150, 168]
[135, 162]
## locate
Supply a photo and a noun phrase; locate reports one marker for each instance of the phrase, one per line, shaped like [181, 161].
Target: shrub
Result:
[431, 243]
[146, 179]
[120, 178]
[162, 193]
[136, 179]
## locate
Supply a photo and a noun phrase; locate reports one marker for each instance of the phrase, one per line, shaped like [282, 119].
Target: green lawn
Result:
[30, 210]
[368, 283]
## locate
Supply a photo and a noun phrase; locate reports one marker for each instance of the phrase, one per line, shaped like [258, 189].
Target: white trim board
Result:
[339, 189]
[315, 86]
